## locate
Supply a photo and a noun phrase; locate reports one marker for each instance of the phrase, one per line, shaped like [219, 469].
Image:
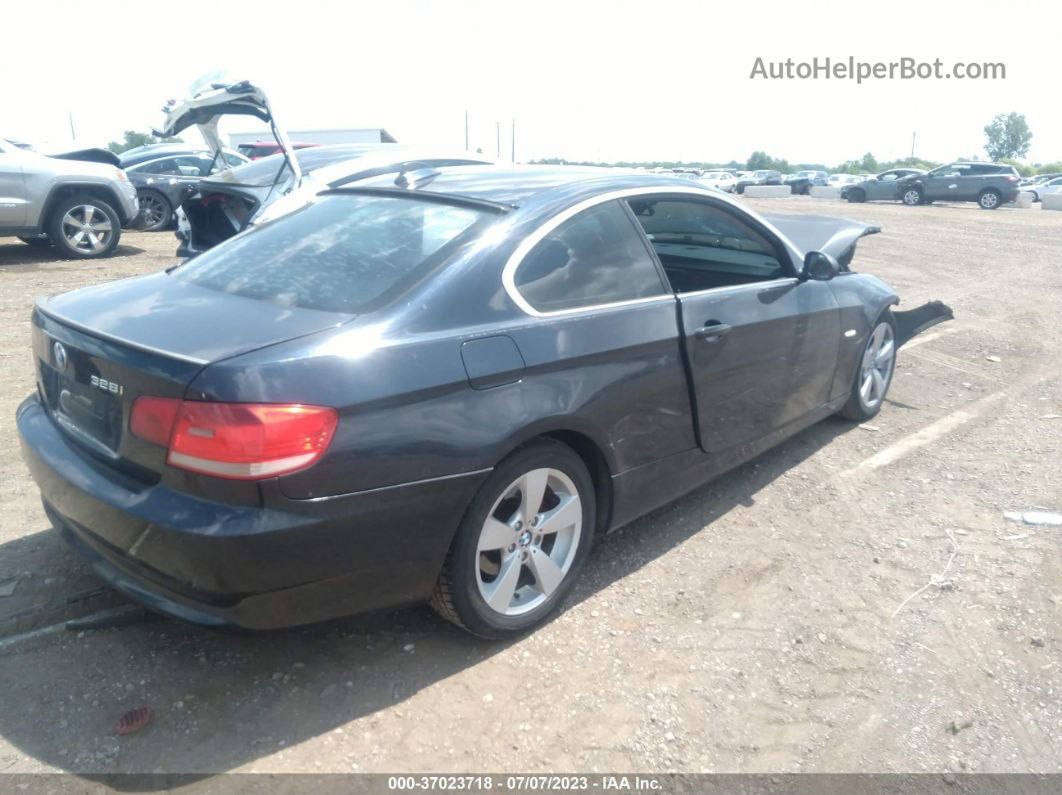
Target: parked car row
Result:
[990, 185]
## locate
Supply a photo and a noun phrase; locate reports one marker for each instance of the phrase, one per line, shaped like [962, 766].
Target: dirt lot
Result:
[750, 627]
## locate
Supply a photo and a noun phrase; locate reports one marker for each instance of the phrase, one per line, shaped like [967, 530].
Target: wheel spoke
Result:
[884, 354]
[533, 490]
[76, 239]
[495, 535]
[88, 212]
[865, 387]
[102, 226]
[879, 384]
[547, 573]
[94, 242]
[500, 594]
[563, 516]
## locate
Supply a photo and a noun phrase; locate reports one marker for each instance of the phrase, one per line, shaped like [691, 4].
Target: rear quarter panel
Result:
[409, 413]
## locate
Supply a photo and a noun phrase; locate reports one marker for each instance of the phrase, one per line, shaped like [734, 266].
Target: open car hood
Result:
[833, 236]
[210, 101]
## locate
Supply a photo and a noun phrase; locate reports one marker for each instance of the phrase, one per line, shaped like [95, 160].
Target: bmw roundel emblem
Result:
[60, 356]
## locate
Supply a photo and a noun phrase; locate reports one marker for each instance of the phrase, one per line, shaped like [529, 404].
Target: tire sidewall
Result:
[55, 232]
[168, 218]
[856, 196]
[907, 192]
[464, 562]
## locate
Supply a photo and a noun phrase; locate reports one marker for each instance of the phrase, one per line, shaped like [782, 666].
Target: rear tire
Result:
[874, 372]
[84, 227]
[912, 197]
[990, 199]
[158, 214]
[511, 565]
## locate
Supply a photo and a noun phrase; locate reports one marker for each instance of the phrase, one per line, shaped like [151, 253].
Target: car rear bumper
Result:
[284, 563]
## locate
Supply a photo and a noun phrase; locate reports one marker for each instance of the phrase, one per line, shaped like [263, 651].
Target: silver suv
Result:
[77, 206]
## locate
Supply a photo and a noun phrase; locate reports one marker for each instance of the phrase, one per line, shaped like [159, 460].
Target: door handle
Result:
[711, 331]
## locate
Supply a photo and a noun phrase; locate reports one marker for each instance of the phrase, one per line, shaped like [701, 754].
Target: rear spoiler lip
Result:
[39, 307]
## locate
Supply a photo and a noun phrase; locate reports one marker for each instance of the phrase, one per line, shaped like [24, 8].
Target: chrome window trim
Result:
[532, 240]
[750, 285]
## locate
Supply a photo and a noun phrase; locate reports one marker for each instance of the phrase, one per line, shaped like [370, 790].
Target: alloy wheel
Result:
[529, 541]
[989, 200]
[86, 228]
[876, 371]
[912, 197]
[154, 210]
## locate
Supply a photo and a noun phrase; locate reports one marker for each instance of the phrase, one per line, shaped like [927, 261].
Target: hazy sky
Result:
[584, 79]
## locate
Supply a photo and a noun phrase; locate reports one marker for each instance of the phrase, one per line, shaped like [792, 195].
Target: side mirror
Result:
[820, 267]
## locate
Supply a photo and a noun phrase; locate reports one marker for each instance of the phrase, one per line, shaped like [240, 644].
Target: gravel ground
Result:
[749, 627]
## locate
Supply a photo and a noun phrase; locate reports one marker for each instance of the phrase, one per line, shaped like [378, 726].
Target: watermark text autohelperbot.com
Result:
[861, 71]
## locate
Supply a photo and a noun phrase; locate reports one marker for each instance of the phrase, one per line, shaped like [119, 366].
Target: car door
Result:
[760, 343]
[12, 189]
[946, 183]
[882, 187]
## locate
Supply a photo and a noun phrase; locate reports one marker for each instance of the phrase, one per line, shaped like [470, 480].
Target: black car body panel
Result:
[433, 387]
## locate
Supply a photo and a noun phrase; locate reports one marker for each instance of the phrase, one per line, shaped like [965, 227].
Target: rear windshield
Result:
[344, 253]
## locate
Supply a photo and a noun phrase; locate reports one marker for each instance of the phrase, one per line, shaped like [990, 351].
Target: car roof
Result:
[516, 185]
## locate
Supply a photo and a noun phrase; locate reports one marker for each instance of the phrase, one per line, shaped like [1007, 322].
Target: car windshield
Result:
[343, 253]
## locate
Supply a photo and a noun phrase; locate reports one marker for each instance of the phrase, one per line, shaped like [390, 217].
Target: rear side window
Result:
[344, 253]
[596, 257]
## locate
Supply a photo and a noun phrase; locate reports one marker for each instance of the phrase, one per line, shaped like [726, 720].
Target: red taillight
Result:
[245, 441]
[152, 418]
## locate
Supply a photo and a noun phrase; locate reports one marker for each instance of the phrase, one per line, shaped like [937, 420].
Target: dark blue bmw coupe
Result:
[439, 387]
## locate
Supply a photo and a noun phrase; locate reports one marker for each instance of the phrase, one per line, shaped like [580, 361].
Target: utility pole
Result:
[913, 134]
[466, 130]
[514, 139]
[70, 115]
[497, 138]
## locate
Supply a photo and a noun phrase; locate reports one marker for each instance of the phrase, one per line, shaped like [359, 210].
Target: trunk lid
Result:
[96, 350]
[209, 101]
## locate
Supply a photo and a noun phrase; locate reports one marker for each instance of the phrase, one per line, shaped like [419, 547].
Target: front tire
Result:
[521, 545]
[84, 227]
[990, 199]
[855, 196]
[912, 197]
[874, 373]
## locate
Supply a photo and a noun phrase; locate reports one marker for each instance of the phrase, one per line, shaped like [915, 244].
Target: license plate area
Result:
[86, 411]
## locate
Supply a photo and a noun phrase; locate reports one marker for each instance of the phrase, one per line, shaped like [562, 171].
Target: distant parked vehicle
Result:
[253, 151]
[720, 180]
[1042, 189]
[839, 180]
[78, 202]
[164, 174]
[988, 184]
[802, 182]
[761, 177]
[881, 187]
